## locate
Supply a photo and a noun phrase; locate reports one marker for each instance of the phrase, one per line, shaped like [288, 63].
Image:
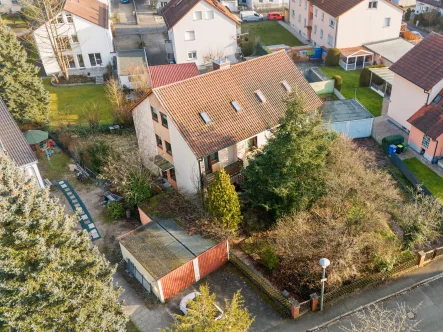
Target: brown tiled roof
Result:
[12, 139]
[429, 119]
[336, 8]
[167, 74]
[423, 64]
[91, 10]
[213, 93]
[176, 9]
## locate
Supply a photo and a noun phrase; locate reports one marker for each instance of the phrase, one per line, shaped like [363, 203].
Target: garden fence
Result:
[408, 173]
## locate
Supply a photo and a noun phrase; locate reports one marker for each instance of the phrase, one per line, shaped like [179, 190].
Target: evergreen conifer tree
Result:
[51, 277]
[20, 85]
[222, 201]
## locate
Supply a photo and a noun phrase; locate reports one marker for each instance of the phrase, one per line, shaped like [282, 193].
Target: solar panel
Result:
[205, 117]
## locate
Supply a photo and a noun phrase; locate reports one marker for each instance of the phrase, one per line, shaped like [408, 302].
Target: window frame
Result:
[193, 58]
[69, 18]
[67, 56]
[80, 62]
[194, 16]
[189, 32]
[168, 148]
[154, 114]
[206, 15]
[75, 41]
[95, 59]
[164, 119]
[387, 22]
[172, 174]
[425, 141]
[159, 141]
[214, 157]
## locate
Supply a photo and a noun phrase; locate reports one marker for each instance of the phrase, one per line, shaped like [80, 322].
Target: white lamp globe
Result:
[324, 262]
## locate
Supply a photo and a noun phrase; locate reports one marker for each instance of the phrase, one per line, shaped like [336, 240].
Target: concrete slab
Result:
[155, 48]
[127, 42]
[382, 127]
[124, 12]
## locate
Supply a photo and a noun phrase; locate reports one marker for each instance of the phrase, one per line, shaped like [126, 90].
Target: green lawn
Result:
[56, 168]
[17, 23]
[68, 103]
[271, 33]
[430, 179]
[370, 99]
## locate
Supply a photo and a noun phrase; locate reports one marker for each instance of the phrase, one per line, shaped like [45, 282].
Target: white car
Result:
[191, 296]
[250, 16]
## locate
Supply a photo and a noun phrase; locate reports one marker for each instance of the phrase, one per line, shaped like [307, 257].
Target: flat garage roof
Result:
[392, 49]
[162, 246]
[130, 58]
[344, 110]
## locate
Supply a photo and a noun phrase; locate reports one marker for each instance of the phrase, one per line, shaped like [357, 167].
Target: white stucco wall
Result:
[92, 39]
[424, 7]
[215, 36]
[6, 6]
[257, 5]
[401, 108]
[405, 3]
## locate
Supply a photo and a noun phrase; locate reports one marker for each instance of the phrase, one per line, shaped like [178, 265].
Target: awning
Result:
[35, 136]
[384, 73]
[162, 163]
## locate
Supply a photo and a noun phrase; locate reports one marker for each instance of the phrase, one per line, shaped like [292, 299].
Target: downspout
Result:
[336, 32]
[435, 151]
[201, 180]
[427, 99]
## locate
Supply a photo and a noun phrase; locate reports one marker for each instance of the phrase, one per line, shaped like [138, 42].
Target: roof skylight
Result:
[236, 105]
[286, 86]
[205, 117]
[260, 96]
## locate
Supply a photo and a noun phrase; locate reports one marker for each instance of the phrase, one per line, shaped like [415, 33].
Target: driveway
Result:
[124, 12]
[225, 281]
[155, 48]
[147, 16]
[126, 42]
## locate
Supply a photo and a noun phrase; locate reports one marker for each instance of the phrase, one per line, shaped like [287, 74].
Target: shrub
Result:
[365, 76]
[338, 81]
[408, 14]
[333, 57]
[269, 258]
[137, 188]
[116, 210]
[98, 153]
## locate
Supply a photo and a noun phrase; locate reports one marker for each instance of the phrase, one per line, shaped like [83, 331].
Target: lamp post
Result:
[324, 262]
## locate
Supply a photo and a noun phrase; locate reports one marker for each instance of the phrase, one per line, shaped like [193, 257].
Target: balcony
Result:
[233, 170]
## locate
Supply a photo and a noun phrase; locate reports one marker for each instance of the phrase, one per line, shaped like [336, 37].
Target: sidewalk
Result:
[313, 320]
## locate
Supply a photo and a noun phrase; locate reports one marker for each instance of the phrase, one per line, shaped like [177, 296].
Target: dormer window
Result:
[286, 86]
[260, 96]
[205, 117]
[236, 105]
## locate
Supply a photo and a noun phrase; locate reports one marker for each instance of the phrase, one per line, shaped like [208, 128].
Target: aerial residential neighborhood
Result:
[221, 165]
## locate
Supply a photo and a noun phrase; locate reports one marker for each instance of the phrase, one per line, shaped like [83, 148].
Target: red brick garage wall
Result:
[213, 258]
[178, 280]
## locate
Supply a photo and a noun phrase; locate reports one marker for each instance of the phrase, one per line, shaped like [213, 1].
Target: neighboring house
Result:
[7, 6]
[426, 131]
[232, 5]
[266, 4]
[425, 6]
[405, 3]
[345, 23]
[13, 144]
[201, 31]
[165, 259]
[129, 64]
[418, 78]
[84, 37]
[190, 129]
[167, 74]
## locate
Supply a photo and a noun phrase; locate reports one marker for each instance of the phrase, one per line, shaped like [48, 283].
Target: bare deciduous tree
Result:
[139, 78]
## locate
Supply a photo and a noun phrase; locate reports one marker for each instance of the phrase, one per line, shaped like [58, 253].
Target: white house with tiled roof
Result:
[200, 31]
[82, 32]
[190, 129]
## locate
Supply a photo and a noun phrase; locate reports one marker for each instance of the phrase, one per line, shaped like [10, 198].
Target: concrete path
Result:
[313, 320]
[382, 127]
[145, 319]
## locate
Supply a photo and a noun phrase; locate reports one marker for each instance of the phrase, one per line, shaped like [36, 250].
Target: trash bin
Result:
[392, 149]
[405, 147]
[399, 149]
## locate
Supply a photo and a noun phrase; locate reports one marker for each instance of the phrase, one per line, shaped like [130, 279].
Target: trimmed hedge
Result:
[338, 81]
[333, 57]
[365, 76]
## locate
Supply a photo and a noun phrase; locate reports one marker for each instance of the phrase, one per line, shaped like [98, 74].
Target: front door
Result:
[208, 165]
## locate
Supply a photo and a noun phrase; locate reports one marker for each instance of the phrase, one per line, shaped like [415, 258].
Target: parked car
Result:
[125, 1]
[275, 16]
[250, 16]
[190, 297]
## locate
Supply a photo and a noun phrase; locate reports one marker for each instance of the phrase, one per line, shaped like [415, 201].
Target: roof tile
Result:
[93, 11]
[167, 74]
[429, 119]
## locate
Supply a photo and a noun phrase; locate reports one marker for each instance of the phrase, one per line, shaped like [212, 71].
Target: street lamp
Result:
[324, 262]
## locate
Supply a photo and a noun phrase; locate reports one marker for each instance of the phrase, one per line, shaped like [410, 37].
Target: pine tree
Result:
[20, 86]
[51, 277]
[202, 312]
[222, 201]
[287, 174]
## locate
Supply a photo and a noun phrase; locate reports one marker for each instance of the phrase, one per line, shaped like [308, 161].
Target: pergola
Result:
[386, 75]
[352, 56]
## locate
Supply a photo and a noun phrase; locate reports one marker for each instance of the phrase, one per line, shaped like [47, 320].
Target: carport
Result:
[349, 117]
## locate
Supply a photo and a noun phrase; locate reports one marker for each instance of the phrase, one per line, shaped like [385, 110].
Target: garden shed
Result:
[166, 260]
[349, 117]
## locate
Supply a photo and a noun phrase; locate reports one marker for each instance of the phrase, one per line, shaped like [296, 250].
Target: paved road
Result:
[424, 33]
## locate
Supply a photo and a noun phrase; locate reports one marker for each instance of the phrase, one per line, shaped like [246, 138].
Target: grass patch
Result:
[328, 97]
[370, 99]
[427, 176]
[56, 167]
[271, 33]
[67, 104]
[130, 327]
[14, 21]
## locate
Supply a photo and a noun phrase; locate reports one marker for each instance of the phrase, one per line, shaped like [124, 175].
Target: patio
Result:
[355, 58]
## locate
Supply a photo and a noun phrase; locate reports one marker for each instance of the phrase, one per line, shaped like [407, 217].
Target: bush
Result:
[333, 57]
[98, 153]
[269, 258]
[116, 210]
[137, 188]
[338, 81]
[408, 14]
[365, 76]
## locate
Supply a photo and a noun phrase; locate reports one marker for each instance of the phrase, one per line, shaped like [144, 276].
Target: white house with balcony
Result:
[8, 6]
[346, 24]
[81, 33]
[190, 129]
[200, 31]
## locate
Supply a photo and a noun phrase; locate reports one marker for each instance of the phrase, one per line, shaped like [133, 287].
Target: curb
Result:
[318, 327]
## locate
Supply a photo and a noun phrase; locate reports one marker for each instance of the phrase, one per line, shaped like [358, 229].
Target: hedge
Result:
[338, 81]
[365, 76]
[333, 57]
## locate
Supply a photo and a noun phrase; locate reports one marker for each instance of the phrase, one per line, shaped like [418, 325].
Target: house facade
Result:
[190, 129]
[425, 6]
[349, 23]
[13, 144]
[7, 6]
[81, 31]
[200, 31]
[266, 4]
[418, 78]
[405, 3]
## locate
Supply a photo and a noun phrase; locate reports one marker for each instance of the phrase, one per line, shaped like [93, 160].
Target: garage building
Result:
[349, 117]
[166, 260]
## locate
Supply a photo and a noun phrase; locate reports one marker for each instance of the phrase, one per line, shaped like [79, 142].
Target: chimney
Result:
[221, 64]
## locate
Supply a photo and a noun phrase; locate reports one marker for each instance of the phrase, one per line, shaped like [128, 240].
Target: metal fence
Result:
[408, 173]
